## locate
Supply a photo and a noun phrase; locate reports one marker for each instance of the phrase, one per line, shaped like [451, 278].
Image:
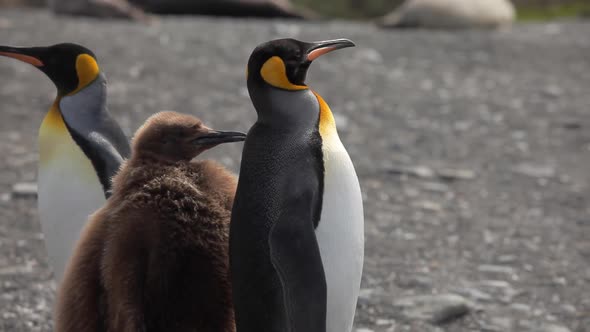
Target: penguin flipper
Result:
[101, 151]
[295, 254]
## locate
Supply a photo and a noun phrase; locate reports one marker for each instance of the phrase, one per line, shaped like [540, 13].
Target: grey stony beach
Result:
[472, 147]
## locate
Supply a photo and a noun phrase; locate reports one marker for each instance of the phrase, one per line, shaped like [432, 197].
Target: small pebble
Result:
[24, 189]
[535, 170]
[436, 309]
[450, 174]
[362, 329]
[554, 328]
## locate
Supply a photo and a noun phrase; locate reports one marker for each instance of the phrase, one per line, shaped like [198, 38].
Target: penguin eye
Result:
[51, 61]
[291, 62]
[294, 55]
[293, 59]
[167, 139]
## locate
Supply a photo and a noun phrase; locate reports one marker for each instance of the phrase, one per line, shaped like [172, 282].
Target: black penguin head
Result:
[71, 67]
[283, 63]
[171, 136]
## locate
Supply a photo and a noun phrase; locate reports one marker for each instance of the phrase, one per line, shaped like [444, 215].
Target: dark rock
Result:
[571, 124]
[436, 309]
[450, 174]
[414, 281]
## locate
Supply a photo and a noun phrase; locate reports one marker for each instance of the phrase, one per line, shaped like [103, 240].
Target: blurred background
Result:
[468, 122]
[527, 10]
[352, 9]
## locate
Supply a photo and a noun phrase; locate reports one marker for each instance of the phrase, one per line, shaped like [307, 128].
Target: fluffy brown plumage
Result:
[155, 257]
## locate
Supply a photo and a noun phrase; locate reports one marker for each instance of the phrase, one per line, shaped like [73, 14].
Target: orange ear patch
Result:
[87, 70]
[24, 58]
[274, 73]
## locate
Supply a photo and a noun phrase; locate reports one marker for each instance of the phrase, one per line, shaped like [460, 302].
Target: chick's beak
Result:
[214, 137]
[318, 49]
[23, 54]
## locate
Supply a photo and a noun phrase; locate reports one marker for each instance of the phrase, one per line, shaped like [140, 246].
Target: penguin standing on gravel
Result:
[80, 145]
[155, 256]
[297, 228]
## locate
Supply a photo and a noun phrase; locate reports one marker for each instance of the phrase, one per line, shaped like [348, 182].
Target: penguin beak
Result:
[215, 137]
[23, 54]
[318, 49]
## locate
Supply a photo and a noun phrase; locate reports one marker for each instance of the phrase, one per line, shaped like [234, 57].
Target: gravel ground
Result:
[472, 148]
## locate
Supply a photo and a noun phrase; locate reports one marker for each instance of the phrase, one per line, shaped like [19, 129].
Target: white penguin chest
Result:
[69, 191]
[340, 235]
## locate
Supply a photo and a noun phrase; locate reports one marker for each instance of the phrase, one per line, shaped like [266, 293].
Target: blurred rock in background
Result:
[23, 3]
[136, 9]
[98, 8]
[253, 8]
[451, 14]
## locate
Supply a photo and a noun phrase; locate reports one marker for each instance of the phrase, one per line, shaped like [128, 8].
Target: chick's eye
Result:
[168, 139]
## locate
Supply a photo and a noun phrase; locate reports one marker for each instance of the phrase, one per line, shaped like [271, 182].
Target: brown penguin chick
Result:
[155, 256]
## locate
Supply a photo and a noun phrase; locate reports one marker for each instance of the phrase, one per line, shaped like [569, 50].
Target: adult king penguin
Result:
[80, 145]
[297, 228]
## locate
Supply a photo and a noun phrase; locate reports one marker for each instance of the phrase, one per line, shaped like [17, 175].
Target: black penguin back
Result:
[277, 274]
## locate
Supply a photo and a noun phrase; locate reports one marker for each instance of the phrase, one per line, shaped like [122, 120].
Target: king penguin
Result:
[297, 228]
[154, 258]
[80, 145]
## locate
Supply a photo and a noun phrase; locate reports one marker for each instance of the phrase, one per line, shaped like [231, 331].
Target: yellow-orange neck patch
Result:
[274, 73]
[327, 122]
[53, 130]
[87, 70]
[53, 119]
